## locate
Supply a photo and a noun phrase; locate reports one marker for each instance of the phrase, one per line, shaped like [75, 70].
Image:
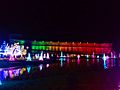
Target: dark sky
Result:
[81, 19]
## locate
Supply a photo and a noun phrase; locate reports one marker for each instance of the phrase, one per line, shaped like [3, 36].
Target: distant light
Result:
[104, 57]
[40, 66]
[97, 56]
[48, 57]
[28, 69]
[78, 56]
[0, 82]
[47, 65]
[87, 56]
[29, 57]
[82, 55]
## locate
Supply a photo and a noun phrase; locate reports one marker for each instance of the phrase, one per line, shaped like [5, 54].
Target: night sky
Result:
[80, 20]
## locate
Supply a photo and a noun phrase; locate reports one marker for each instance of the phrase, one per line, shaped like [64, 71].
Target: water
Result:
[68, 74]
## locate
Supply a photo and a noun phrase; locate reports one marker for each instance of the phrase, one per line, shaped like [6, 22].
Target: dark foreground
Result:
[70, 75]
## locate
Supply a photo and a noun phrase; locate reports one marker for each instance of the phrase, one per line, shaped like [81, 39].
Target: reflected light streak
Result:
[47, 65]
[88, 61]
[41, 67]
[78, 61]
[67, 60]
[28, 69]
[61, 62]
[10, 74]
[105, 65]
[0, 82]
[5, 74]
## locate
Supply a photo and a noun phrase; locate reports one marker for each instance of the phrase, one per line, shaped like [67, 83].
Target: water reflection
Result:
[61, 61]
[68, 60]
[47, 65]
[78, 61]
[87, 60]
[0, 82]
[41, 67]
[12, 73]
[105, 65]
[28, 69]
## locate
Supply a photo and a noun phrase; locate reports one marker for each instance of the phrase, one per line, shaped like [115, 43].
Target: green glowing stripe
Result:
[33, 43]
[33, 47]
[43, 47]
[37, 48]
[22, 41]
[41, 43]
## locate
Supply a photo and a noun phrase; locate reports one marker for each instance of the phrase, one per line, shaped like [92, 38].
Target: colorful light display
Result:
[93, 50]
[12, 51]
[97, 48]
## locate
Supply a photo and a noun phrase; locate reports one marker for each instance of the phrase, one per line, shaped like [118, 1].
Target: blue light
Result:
[105, 65]
[29, 57]
[61, 61]
[104, 57]
[28, 69]
[0, 82]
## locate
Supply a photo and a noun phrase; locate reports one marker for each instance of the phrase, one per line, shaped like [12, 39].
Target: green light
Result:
[33, 42]
[37, 47]
[33, 47]
[22, 41]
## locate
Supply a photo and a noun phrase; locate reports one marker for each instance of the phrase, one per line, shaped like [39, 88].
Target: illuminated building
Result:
[83, 48]
[35, 47]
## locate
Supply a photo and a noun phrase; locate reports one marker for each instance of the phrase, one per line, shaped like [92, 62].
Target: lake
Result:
[67, 74]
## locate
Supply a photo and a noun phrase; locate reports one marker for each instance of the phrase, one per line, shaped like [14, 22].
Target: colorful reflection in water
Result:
[28, 69]
[40, 67]
[78, 61]
[15, 73]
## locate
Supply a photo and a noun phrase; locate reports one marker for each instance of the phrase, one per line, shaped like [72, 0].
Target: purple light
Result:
[11, 58]
[68, 60]
[57, 56]
[78, 61]
[119, 55]
[112, 55]
[5, 74]
[68, 55]
[93, 56]
[10, 74]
